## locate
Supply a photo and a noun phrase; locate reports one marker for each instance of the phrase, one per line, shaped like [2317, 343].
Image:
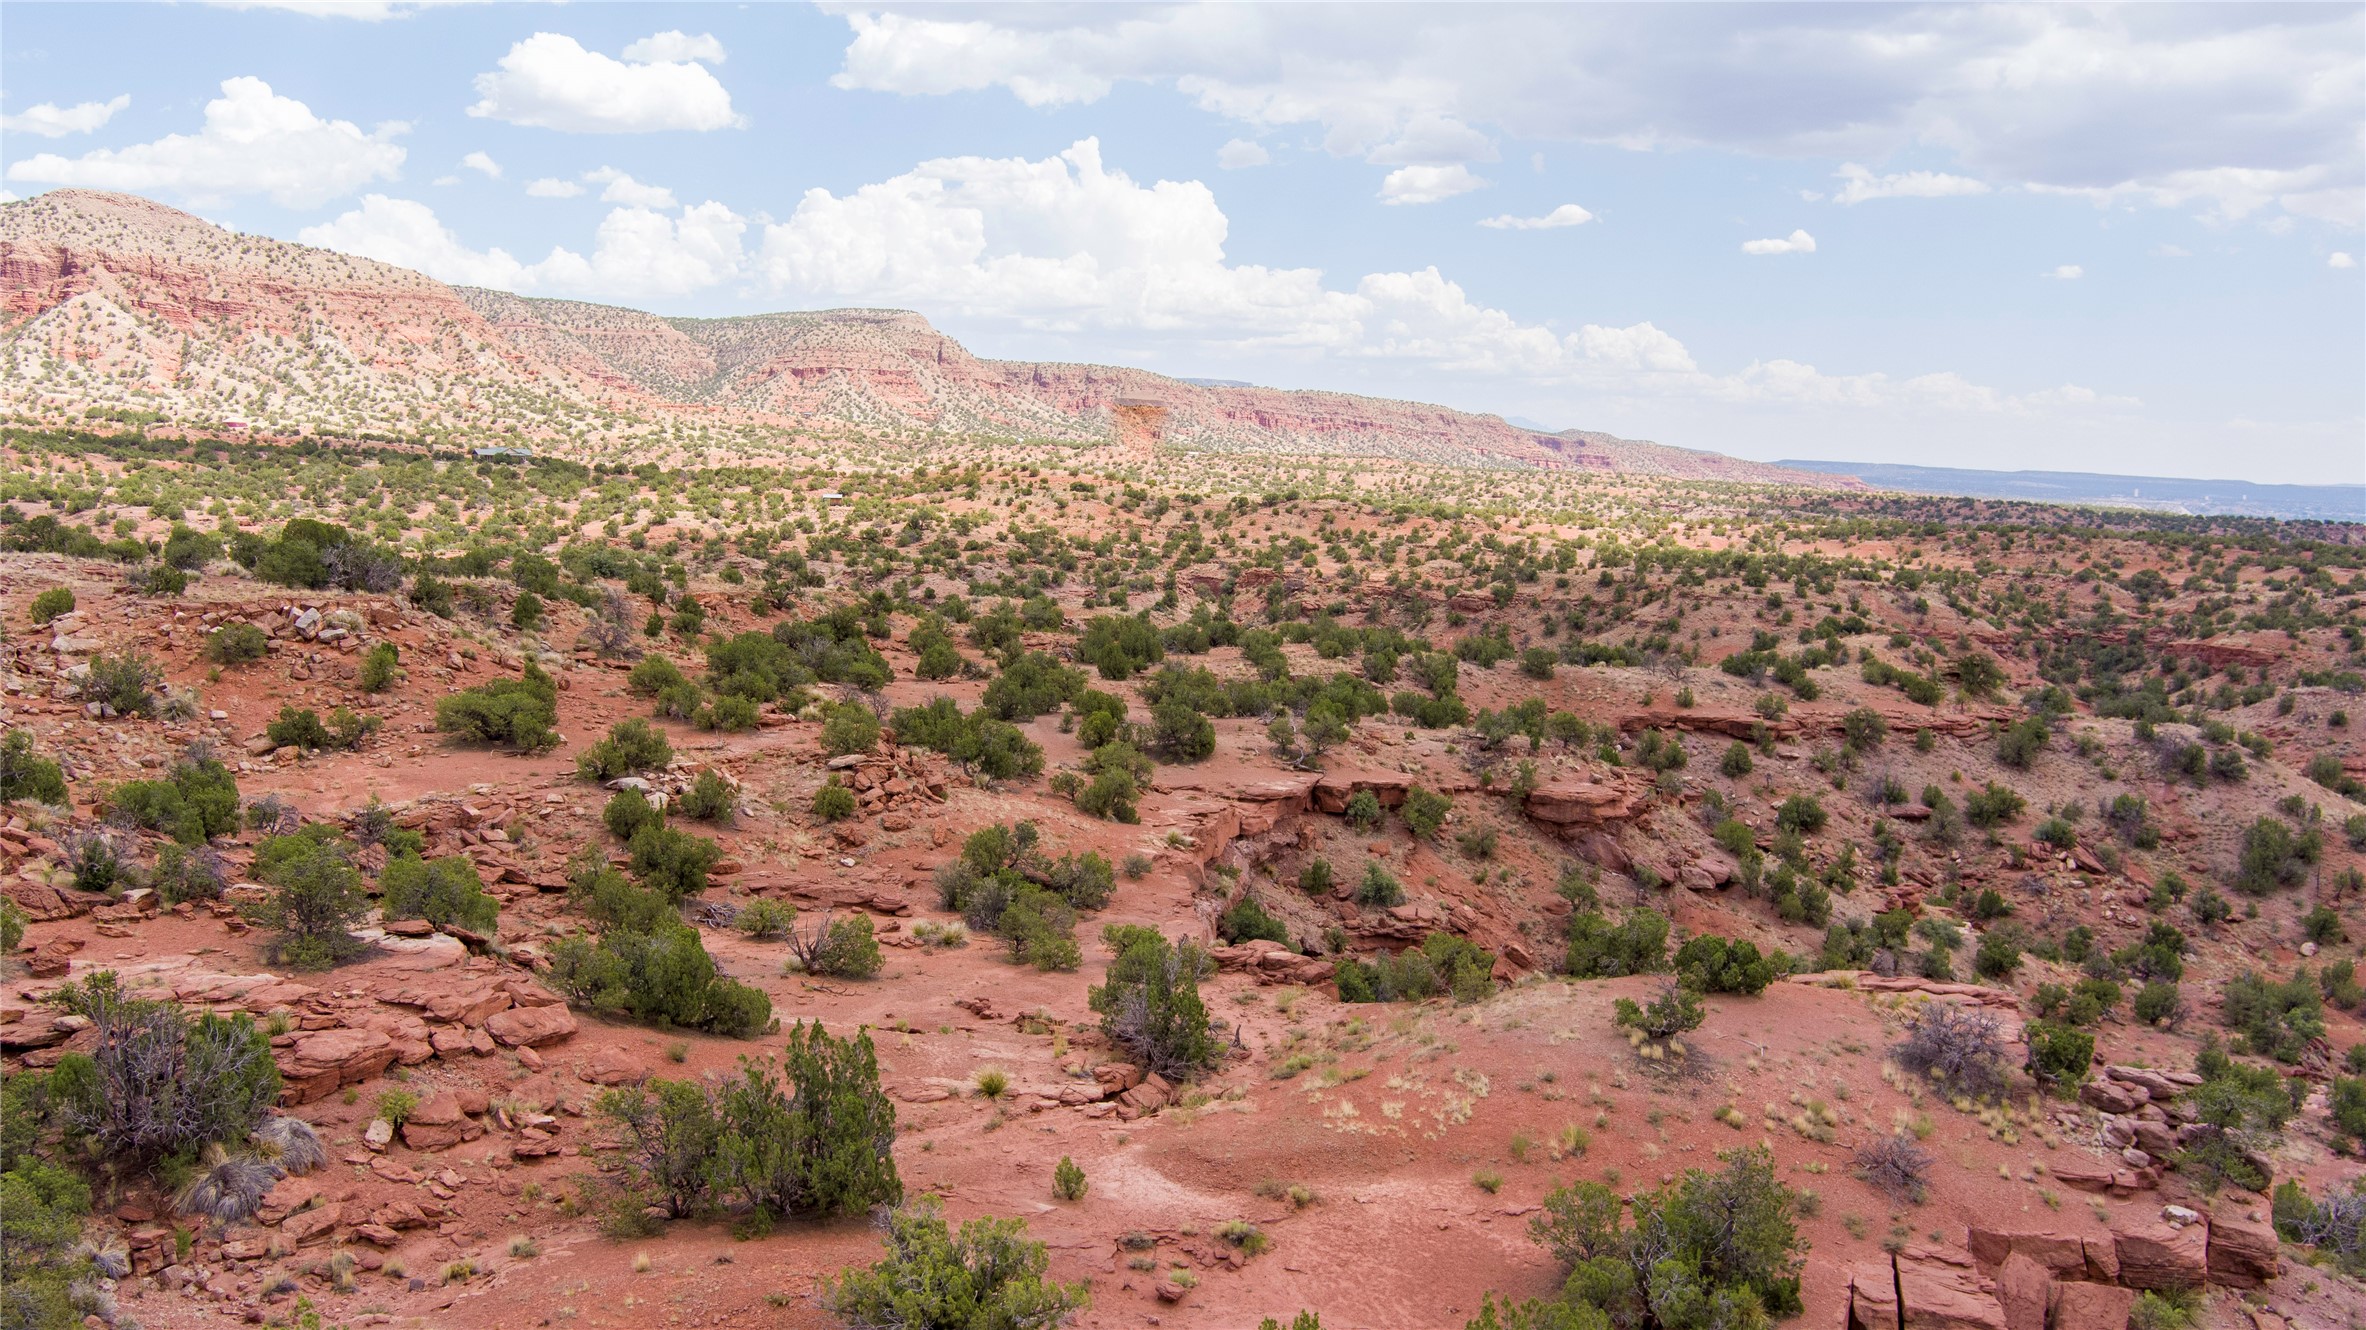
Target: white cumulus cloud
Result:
[2068, 272]
[483, 164]
[1240, 153]
[2340, 259]
[1068, 247]
[366, 11]
[1427, 184]
[407, 234]
[1860, 184]
[675, 46]
[2223, 110]
[253, 142]
[617, 187]
[1076, 252]
[551, 187]
[550, 81]
[51, 121]
[637, 254]
[1568, 214]
[1798, 242]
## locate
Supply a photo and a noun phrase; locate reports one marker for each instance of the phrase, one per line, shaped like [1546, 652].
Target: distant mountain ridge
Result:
[2238, 498]
[125, 305]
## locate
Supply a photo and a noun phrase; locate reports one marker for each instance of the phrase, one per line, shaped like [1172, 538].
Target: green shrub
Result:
[833, 802]
[2274, 856]
[632, 745]
[1993, 806]
[729, 715]
[977, 740]
[302, 728]
[381, 665]
[2157, 1002]
[654, 676]
[1085, 881]
[1040, 927]
[441, 891]
[837, 948]
[1120, 647]
[157, 1082]
[1801, 813]
[1029, 686]
[1379, 887]
[1150, 1004]
[1599, 949]
[2020, 743]
[41, 1263]
[710, 798]
[1737, 761]
[1674, 1010]
[2276, 1020]
[626, 812]
[157, 579]
[236, 643]
[1711, 964]
[315, 901]
[815, 1137]
[1363, 810]
[672, 862]
[26, 776]
[2059, 1053]
[195, 802]
[1444, 963]
[50, 604]
[12, 927]
[808, 1134]
[127, 682]
[851, 728]
[1247, 919]
[522, 712]
[1726, 1240]
[2238, 1110]
[649, 965]
[2000, 952]
[1068, 1182]
[765, 919]
[1113, 795]
[2345, 1107]
[672, 1143]
[1180, 734]
[1424, 811]
[988, 1276]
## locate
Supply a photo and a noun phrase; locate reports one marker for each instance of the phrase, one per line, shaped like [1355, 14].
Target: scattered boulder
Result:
[2060, 1254]
[531, 1027]
[1581, 803]
[2024, 1288]
[438, 1124]
[2077, 1305]
[2242, 1249]
[2110, 1096]
[2155, 1254]
[318, 1063]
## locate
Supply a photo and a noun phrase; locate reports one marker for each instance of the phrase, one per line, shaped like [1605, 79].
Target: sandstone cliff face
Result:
[124, 304]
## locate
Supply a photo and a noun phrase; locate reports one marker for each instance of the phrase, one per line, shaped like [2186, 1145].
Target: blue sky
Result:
[2121, 239]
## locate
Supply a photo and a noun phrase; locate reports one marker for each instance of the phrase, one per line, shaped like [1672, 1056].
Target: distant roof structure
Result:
[503, 452]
